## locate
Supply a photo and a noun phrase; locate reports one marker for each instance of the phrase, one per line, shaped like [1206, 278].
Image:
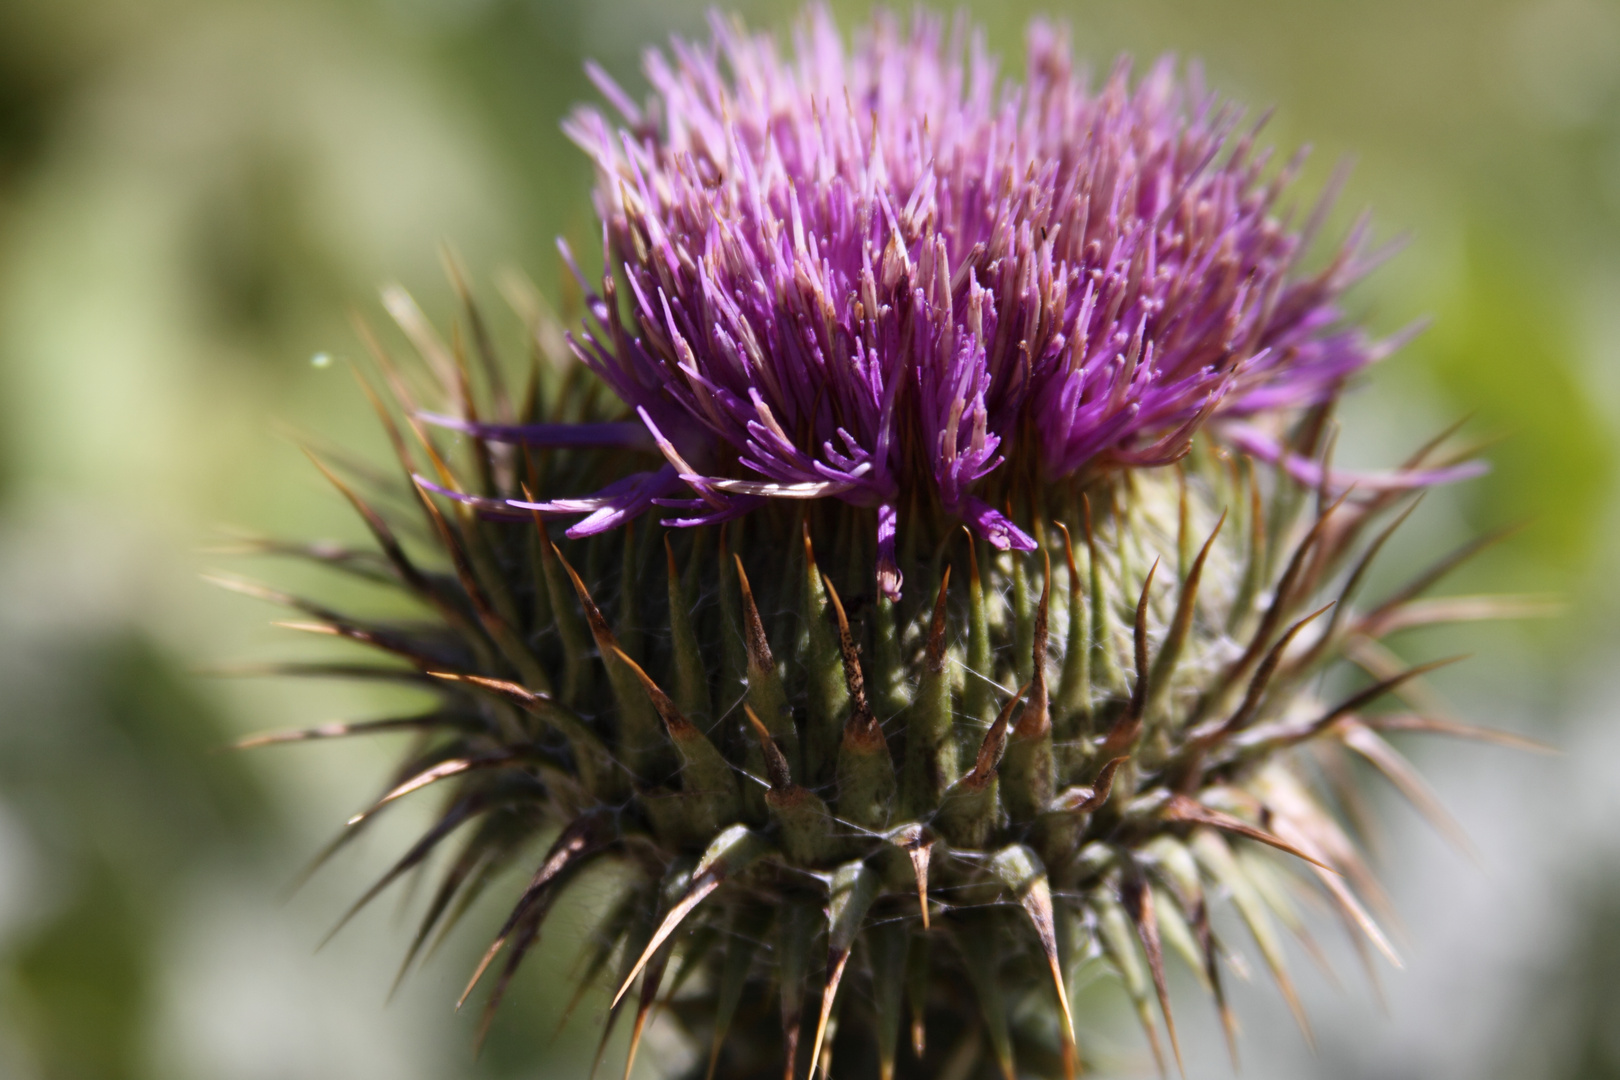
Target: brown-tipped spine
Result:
[1073, 703]
[865, 770]
[1028, 768]
[707, 781]
[1128, 728]
[826, 683]
[806, 824]
[766, 694]
[969, 810]
[640, 744]
[930, 760]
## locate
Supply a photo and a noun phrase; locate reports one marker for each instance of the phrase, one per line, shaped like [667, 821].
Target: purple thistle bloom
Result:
[884, 272]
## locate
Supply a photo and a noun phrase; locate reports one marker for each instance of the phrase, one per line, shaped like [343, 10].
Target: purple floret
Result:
[882, 271]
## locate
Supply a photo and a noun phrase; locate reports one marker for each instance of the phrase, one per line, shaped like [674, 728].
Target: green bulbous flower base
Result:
[886, 836]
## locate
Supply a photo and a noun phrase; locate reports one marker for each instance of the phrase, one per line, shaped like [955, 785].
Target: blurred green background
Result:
[194, 194]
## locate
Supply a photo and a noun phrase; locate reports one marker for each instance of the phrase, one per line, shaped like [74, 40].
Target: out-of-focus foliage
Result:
[114, 782]
[194, 194]
[1505, 349]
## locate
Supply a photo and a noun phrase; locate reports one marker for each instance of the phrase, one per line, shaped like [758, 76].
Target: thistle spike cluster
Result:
[856, 302]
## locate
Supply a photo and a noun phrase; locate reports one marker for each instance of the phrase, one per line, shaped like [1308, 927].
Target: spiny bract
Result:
[846, 817]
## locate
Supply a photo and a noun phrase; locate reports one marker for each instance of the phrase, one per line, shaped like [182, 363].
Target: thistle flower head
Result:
[852, 299]
[884, 272]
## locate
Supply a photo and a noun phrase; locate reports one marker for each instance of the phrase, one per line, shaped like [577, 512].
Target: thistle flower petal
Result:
[854, 271]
